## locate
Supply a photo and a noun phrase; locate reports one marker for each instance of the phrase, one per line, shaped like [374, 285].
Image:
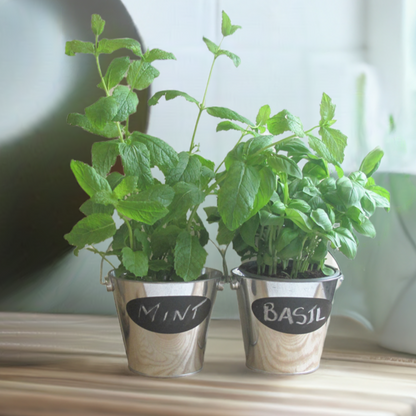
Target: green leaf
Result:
[211, 45]
[227, 28]
[136, 162]
[224, 236]
[366, 228]
[187, 170]
[157, 55]
[102, 112]
[320, 218]
[267, 219]
[285, 121]
[293, 146]
[236, 59]
[229, 125]
[349, 193]
[263, 115]
[116, 72]
[237, 194]
[126, 186]
[160, 193]
[320, 252]
[158, 265]
[111, 45]
[356, 214]
[105, 198]
[300, 219]
[286, 236]
[89, 180]
[190, 256]
[127, 102]
[340, 172]
[114, 179]
[368, 204]
[300, 205]
[141, 75]
[249, 229]
[380, 195]
[316, 169]
[222, 112]
[321, 150]
[91, 230]
[147, 212]
[205, 162]
[348, 245]
[256, 144]
[327, 110]
[170, 95]
[335, 141]
[292, 250]
[135, 262]
[104, 155]
[212, 214]
[266, 189]
[163, 240]
[77, 46]
[372, 161]
[90, 207]
[142, 238]
[109, 130]
[97, 24]
[161, 154]
[359, 177]
[280, 163]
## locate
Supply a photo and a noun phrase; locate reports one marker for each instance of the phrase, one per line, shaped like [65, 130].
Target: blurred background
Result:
[362, 53]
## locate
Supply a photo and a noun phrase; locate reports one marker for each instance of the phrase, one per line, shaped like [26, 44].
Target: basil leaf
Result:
[111, 45]
[104, 155]
[366, 228]
[349, 193]
[300, 219]
[372, 161]
[348, 246]
[224, 236]
[135, 262]
[320, 218]
[267, 219]
[293, 146]
[286, 236]
[280, 163]
[316, 169]
[249, 229]
[266, 189]
[300, 205]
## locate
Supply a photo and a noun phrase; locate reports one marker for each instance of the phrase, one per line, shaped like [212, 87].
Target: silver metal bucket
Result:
[164, 324]
[284, 322]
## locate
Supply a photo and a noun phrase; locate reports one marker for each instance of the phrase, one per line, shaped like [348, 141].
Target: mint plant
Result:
[278, 202]
[162, 237]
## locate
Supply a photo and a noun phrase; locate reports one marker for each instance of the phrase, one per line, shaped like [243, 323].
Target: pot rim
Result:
[238, 272]
[217, 276]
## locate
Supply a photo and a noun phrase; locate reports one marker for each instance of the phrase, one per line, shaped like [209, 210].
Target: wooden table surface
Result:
[75, 365]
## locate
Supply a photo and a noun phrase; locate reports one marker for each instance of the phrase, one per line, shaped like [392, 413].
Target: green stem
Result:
[241, 138]
[94, 250]
[127, 222]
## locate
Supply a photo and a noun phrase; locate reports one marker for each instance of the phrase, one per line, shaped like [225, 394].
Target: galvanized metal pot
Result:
[284, 322]
[164, 324]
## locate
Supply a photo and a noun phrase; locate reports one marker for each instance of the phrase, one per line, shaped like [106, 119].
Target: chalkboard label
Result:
[169, 314]
[292, 315]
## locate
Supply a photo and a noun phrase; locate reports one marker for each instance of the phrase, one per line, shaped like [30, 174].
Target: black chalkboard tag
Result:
[169, 314]
[292, 315]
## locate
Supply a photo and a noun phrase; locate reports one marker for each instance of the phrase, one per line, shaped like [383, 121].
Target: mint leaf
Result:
[91, 230]
[116, 72]
[158, 265]
[161, 154]
[190, 256]
[141, 75]
[372, 161]
[227, 28]
[160, 193]
[256, 144]
[211, 45]
[77, 46]
[90, 207]
[320, 218]
[97, 24]
[187, 170]
[126, 186]
[105, 197]
[135, 262]
[229, 125]
[327, 110]
[335, 141]
[263, 115]
[109, 130]
[111, 45]
[164, 240]
[280, 163]
[236, 59]
[102, 111]
[237, 194]
[205, 162]
[136, 162]
[89, 180]
[104, 155]
[170, 95]
[285, 121]
[157, 55]
[147, 212]
[223, 112]
[114, 178]
[321, 149]
[127, 102]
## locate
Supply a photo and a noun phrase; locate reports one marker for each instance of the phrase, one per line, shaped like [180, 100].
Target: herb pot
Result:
[284, 321]
[164, 324]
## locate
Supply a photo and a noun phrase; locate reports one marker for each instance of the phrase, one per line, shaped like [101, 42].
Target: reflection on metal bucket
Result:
[164, 324]
[284, 322]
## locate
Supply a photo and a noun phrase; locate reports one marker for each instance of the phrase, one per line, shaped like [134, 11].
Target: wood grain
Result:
[76, 365]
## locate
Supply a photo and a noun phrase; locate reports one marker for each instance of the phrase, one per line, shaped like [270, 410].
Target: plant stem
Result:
[130, 232]
[94, 250]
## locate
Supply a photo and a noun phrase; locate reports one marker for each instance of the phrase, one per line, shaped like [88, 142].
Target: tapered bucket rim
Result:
[205, 271]
[239, 272]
